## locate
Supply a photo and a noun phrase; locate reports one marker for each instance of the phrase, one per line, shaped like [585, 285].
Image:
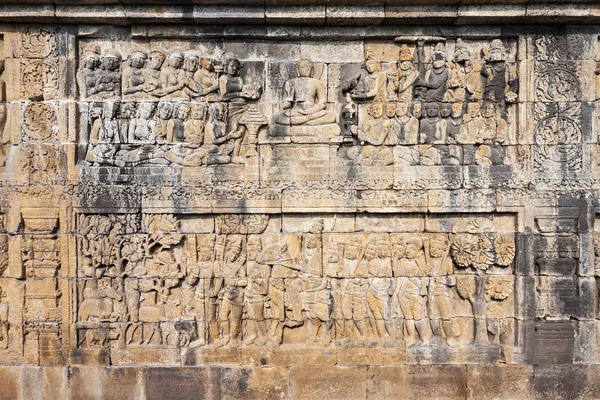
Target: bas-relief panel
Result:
[146, 284]
[444, 106]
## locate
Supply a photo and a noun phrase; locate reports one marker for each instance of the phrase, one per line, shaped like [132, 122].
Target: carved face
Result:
[433, 109]
[398, 250]
[305, 68]
[437, 248]
[370, 252]
[474, 109]
[208, 64]
[446, 110]
[205, 253]
[183, 113]
[146, 110]
[128, 110]
[352, 252]
[156, 63]
[312, 242]
[457, 110]
[377, 110]
[252, 248]
[401, 109]
[233, 67]
[390, 110]
[372, 66]
[383, 251]
[137, 61]
[233, 254]
[487, 111]
[91, 62]
[165, 111]
[191, 64]
[406, 65]
[417, 110]
[175, 60]
[413, 250]
[110, 63]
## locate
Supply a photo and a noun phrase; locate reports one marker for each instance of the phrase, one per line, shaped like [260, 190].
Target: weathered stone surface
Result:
[261, 199]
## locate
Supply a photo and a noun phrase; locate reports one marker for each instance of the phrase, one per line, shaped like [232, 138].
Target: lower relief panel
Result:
[163, 289]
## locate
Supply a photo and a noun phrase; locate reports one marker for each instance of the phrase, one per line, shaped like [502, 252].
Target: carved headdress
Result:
[406, 53]
[461, 52]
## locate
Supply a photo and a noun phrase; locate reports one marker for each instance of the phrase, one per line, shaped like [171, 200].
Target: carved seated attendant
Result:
[305, 104]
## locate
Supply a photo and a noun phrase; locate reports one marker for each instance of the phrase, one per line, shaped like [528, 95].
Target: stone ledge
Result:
[280, 13]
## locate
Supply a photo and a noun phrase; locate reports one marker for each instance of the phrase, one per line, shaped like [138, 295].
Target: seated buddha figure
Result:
[304, 106]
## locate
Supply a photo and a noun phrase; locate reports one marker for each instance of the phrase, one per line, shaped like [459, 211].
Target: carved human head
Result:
[191, 61]
[233, 66]
[497, 52]
[205, 249]
[183, 111]
[438, 246]
[371, 65]
[137, 59]
[146, 109]
[377, 109]
[352, 251]
[446, 110]
[406, 58]
[253, 247]
[433, 109]
[473, 109]
[383, 249]
[234, 248]
[207, 63]
[111, 60]
[370, 252]
[165, 110]
[457, 110]
[417, 109]
[401, 109]
[390, 109]
[488, 109]
[398, 248]
[414, 247]
[304, 68]
[461, 52]
[91, 61]
[128, 110]
[157, 58]
[175, 59]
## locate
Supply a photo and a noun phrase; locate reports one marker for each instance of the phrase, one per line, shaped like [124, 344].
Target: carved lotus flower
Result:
[461, 251]
[505, 250]
[498, 287]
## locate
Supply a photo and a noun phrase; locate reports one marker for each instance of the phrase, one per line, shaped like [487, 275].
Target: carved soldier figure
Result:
[404, 128]
[233, 270]
[380, 287]
[440, 282]
[410, 289]
[256, 293]
[305, 100]
[108, 82]
[402, 82]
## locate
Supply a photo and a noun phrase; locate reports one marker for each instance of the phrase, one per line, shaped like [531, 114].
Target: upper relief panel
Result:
[421, 102]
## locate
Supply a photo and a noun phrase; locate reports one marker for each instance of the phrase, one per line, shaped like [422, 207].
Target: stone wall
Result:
[192, 211]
